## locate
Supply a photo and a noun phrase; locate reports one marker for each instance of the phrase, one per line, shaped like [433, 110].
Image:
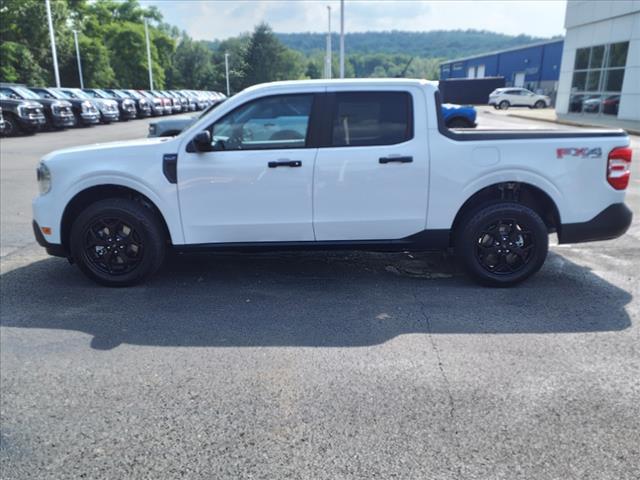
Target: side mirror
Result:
[202, 141]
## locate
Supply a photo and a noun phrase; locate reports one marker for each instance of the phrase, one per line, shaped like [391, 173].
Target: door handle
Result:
[285, 163]
[396, 159]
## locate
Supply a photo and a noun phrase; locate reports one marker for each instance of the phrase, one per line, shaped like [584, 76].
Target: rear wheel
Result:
[117, 242]
[502, 244]
[504, 105]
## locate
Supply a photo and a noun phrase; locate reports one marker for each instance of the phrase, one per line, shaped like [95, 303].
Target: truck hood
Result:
[102, 150]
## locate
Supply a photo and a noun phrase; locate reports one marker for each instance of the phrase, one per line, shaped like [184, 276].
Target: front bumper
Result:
[52, 249]
[32, 122]
[128, 114]
[63, 120]
[110, 116]
[90, 118]
[610, 223]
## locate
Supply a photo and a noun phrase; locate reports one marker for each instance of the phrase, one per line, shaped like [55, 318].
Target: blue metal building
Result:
[535, 66]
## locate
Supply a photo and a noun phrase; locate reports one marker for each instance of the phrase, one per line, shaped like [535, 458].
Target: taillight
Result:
[619, 167]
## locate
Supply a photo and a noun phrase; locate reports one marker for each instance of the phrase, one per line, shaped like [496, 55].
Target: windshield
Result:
[118, 93]
[26, 93]
[56, 93]
[101, 93]
[133, 93]
[76, 93]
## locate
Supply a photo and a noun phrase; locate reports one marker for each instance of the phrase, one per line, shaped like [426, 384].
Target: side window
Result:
[9, 93]
[372, 118]
[279, 121]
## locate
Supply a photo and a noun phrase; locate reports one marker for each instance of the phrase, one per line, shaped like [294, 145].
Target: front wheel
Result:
[502, 244]
[540, 104]
[117, 242]
[504, 105]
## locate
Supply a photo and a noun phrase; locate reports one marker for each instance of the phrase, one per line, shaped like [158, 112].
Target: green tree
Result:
[267, 59]
[193, 65]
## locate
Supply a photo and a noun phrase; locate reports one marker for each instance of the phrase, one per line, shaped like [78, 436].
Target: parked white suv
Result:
[338, 164]
[504, 98]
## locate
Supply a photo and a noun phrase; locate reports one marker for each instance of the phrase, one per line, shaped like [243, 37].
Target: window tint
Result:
[618, 54]
[582, 59]
[272, 122]
[372, 118]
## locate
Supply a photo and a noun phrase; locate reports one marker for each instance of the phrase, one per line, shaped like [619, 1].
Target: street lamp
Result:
[327, 65]
[226, 69]
[146, 33]
[75, 38]
[53, 44]
[341, 38]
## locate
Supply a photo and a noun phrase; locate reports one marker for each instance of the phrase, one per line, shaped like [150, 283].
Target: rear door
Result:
[371, 178]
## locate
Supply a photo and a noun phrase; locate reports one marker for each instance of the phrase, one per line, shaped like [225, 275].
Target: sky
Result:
[220, 19]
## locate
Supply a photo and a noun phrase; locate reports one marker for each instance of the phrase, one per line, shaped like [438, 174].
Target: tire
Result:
[11, 125]
[504, 105]
[502, 244]
[495, 106]
[116, 261]
[540, 104]
[459, 122]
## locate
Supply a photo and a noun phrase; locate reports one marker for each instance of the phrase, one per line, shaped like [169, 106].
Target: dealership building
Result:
[535, 66]
[600, 71]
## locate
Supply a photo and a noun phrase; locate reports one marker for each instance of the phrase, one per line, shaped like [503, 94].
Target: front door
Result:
[256, 185]
[371, 181]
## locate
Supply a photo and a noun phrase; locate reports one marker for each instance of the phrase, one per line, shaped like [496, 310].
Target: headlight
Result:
[44, 178]
[22, 111]
[86, 107]
[152, 129]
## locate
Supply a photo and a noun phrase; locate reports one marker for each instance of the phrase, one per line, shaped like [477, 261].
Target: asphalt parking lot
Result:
[323, 365]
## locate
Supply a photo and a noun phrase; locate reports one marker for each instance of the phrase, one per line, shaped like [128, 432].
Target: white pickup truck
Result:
[340, 164]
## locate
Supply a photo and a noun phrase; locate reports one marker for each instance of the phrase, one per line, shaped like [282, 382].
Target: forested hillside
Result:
[436, 44]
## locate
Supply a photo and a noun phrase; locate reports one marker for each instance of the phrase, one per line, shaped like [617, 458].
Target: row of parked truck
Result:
[25, 110]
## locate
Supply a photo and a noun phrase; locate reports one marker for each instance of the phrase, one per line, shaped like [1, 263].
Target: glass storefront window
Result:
[618, 54]
[597, 79]
[597, 55]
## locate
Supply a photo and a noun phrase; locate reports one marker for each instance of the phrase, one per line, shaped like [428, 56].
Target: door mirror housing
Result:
[202, 141]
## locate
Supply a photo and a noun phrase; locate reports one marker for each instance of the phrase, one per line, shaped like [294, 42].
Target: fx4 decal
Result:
[579, 152]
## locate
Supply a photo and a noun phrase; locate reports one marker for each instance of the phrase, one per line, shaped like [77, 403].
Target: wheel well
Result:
[93, 194]
[522, 193]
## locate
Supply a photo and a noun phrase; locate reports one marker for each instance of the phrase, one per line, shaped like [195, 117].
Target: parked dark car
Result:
[143, 107]
[108, 108]
[21, 116]
[157, 105]
[142, 102]
[58, 113]
[85, 111]
[126, 106]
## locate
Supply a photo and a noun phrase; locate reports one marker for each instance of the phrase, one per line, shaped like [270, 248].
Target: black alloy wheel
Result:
[505, 247]
[118, 241]
[113, 246]
[501, 244]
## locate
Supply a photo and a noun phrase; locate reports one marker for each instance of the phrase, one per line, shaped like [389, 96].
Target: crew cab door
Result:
[256, 184]
[371, 176]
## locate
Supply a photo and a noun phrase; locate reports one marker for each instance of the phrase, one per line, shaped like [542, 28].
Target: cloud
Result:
[219, 19]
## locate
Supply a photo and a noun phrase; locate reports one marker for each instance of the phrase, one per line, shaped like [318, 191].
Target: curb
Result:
[632, 131]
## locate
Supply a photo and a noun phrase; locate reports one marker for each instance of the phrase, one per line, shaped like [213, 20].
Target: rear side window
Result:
[371, 118]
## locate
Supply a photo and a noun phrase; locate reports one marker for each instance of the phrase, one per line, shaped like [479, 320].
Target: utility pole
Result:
[146, 33]
[341, 38]
[226, 69]
[327, 64]
[53, 44]
[75, 37]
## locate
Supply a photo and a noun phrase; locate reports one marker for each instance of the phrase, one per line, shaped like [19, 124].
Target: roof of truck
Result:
[349, 82]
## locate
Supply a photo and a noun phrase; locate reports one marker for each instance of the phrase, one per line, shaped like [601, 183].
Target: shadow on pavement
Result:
[337, 299]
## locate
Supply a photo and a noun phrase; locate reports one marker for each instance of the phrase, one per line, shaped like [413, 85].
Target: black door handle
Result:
[396, 159]
[285, 163]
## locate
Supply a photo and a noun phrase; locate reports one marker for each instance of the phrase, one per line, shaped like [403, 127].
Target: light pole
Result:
[341, 38]
[327, 64]
[75, 38]
[53, 44]
[226, 69]
[146, 33]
